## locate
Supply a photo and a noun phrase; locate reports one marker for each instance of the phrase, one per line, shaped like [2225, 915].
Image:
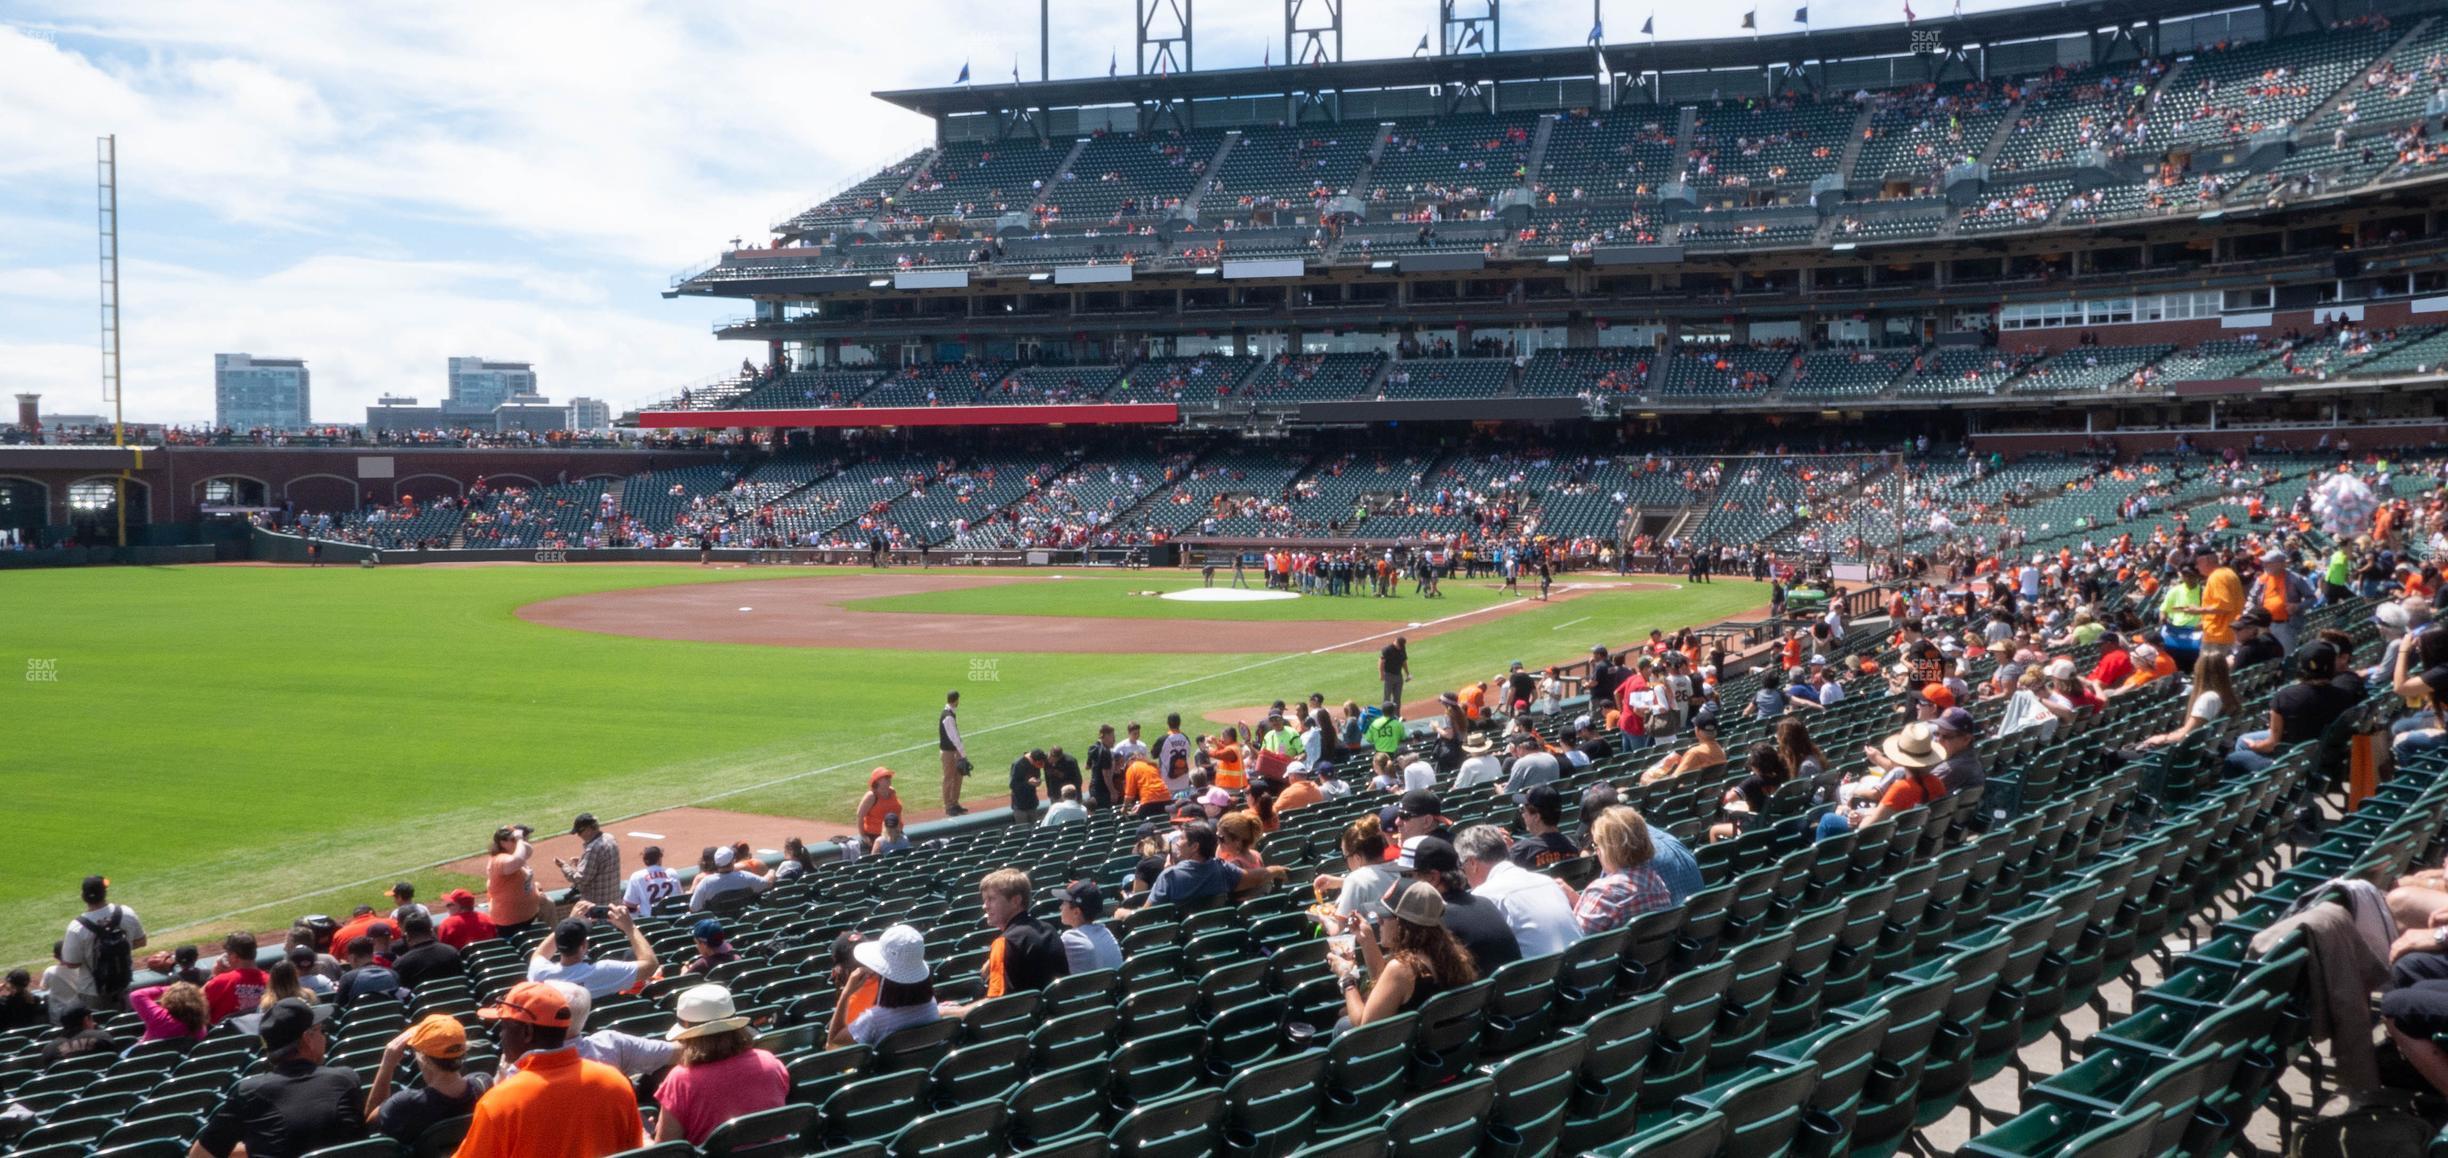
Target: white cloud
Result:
[375, 187]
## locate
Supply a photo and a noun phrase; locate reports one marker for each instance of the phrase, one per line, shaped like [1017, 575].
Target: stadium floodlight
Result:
[1381, 265]
[1208, 270]
[880, 283]
[1840, 247]
[1041, 277]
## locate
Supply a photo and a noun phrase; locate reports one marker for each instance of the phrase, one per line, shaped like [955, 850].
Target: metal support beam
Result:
[1312, 42]
[1458, 31]
[1164, 37]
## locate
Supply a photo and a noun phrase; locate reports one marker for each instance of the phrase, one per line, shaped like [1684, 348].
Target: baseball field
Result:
[234, 745]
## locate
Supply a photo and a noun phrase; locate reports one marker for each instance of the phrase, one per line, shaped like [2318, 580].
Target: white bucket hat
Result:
[705, 1010]
[899, 956]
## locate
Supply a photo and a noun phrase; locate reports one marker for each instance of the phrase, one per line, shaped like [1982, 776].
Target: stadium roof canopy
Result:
[2031, 22]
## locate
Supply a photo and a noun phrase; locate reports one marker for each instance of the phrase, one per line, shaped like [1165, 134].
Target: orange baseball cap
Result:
[438, 1036]
[1939, 694]
[533, 1002]
[876, 775]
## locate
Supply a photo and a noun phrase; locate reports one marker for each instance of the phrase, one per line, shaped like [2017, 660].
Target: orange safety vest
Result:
[1228, 766]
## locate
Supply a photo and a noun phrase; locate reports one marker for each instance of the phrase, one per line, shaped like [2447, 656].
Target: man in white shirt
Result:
[726, 880]
[650, 886]
[563, 956]
[1534, 904]
[1066, 810]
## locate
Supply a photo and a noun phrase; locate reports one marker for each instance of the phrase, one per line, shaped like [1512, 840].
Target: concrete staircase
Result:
[1207, 179]
[1056, 177]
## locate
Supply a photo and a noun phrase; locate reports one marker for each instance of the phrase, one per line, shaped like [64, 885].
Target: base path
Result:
[809, 613]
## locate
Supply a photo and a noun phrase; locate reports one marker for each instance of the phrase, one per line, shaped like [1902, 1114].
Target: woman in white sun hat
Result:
[721, 1075]
[905, 990]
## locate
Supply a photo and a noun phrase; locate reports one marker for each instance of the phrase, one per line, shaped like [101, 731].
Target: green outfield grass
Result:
[245, 744]
[1122, 597]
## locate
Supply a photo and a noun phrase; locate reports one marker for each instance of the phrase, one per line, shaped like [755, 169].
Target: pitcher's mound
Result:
[1227, 595]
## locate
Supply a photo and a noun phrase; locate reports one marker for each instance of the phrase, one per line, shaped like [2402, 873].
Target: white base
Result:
[1227, 595]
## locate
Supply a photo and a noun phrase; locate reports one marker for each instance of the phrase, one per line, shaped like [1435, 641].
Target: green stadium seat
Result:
[1449, 1121]
[986, 1071]
[975, 1129]
[1688, 1136]
[1187, 1125]
[1534, 1090]
[1058, 1104]
[1269, 1104]
[773, 1133]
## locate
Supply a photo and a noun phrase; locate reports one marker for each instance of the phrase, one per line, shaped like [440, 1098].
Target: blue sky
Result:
[376, 188]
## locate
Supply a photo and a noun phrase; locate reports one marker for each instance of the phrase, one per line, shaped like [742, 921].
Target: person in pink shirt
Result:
[171, 1012]
[721, 1075]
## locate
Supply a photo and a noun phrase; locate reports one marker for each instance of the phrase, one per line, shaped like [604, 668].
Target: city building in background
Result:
[478, 386]
[590, 415]
[251, 393]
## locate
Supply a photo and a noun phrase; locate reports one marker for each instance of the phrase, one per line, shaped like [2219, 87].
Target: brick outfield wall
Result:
[326, 478]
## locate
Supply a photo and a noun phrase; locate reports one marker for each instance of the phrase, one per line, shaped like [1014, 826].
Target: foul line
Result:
[1569, 623]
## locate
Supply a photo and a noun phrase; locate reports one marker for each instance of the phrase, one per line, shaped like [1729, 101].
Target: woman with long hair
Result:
[1362, 890]
[1411, 958]
[1800, 753]
[1746, 803]
[173, 1012]
[721, 1075]
[281, 980]
[2214, 696]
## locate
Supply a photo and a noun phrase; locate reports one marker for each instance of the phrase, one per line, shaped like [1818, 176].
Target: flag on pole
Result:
[1015, 70]
[964, 76]
[1473, 37]
[1649, 26]
[1751, 20]
[1908, 12]
[1113, 62]
[1423, 45]
[1267, 59]
[1802, 14]
[1959, 9]
[1598, 33]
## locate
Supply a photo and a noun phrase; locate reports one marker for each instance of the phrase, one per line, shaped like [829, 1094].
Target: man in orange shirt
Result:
[1302, 789]
[558, 1105]
[2222, 599]
[1143, 784]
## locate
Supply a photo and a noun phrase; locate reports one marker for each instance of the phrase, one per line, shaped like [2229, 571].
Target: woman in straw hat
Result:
[721, 1075]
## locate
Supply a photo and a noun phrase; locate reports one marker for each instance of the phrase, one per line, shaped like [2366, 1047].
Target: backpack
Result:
[112, 959]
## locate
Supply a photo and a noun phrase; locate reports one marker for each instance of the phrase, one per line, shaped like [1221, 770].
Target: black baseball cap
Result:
[1430, 854]
[1544, 801]
[1419, 802]
[288, 1020]
[569, 935]
[1087, 896]
[585, 820]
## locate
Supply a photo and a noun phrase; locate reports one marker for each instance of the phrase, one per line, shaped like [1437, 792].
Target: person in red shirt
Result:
[237, 985]
[2115, 665]
[463, 925]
